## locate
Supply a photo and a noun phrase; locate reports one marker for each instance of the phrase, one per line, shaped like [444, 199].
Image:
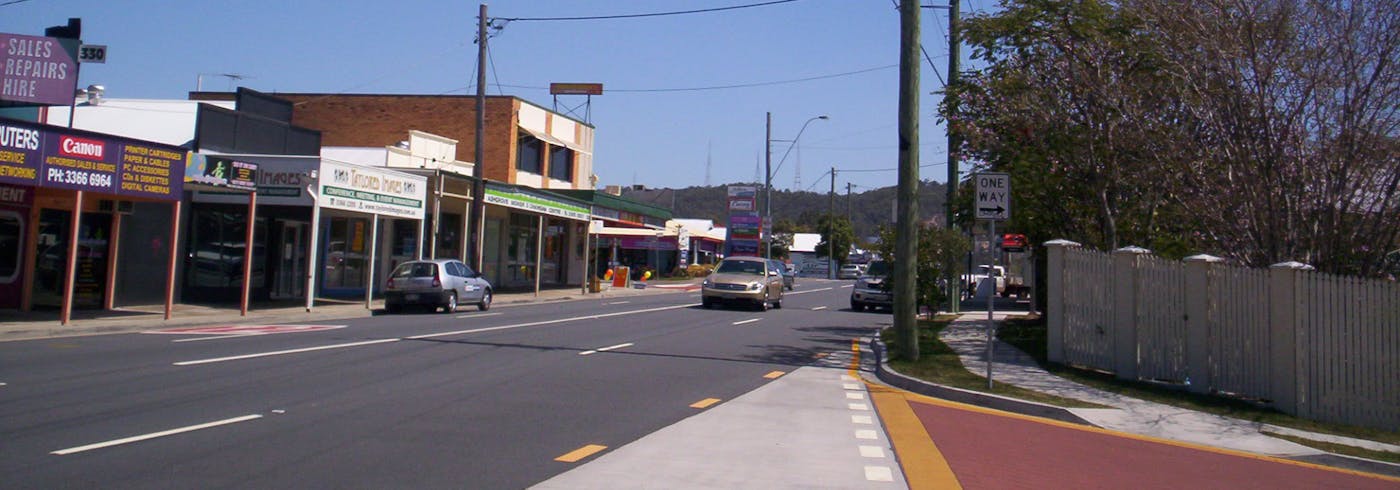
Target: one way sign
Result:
[993, 196]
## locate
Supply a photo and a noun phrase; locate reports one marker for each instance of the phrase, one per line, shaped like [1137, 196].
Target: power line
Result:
[12, 2]
[653, 14]
[723, 87]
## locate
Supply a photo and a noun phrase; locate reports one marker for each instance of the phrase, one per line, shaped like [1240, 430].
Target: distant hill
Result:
[868, 209]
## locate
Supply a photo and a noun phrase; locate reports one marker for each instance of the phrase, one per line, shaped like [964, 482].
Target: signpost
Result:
[993, 203]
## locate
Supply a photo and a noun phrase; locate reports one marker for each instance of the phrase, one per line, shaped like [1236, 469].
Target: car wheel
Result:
[856, 306]
[485, 303]
[762, 304]
[778, 305]
[393, 307]
[707, 303]
[451, 305]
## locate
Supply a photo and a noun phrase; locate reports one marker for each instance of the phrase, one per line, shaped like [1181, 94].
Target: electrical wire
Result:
[12, 2]
[713, 87]
[653, 14]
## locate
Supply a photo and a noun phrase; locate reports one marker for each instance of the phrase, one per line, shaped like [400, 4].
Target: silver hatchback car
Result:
[436, 283]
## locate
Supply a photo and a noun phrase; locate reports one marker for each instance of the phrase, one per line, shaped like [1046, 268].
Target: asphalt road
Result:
[470, 400]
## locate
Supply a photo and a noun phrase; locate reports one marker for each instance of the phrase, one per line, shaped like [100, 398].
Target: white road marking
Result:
[862, 419]
[819, 308]
[476, 315]
[605, 349]
[547, 322]
[866, 434]
[858, 406]
[872, 451]
[220, 337]
[619, 302]
[2, 384]
[282, 352]
[751, 320]
[428, 336]
[855, 396]
[878, 473]
[154, 435]
[805, 291]
[853, 386]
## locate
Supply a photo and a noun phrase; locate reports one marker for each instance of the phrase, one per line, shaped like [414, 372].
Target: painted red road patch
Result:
[243, 329]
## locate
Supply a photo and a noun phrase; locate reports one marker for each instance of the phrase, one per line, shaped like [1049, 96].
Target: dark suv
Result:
[873, 288]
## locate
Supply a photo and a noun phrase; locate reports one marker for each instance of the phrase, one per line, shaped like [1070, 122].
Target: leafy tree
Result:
[941, 250]
[836, 236]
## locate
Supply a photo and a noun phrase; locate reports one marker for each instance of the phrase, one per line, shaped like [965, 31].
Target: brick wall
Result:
[383, 120]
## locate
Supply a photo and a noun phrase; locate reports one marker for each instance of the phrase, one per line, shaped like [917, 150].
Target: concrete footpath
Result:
[17, 325]
[967, 336]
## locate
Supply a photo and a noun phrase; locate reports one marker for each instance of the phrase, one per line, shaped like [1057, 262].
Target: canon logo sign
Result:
[79, 147]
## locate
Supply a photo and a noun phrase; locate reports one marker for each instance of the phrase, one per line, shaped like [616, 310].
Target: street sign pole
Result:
[993, 203]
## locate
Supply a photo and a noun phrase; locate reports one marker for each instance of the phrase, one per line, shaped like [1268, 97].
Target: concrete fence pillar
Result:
[1198, 328]
[1055, 299]
[1286, 337]
[1125, 325]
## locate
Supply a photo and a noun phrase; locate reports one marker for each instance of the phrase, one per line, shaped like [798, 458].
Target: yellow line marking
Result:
[911, 442]
[772, 375]
[911, 396]
[580, 453]
[705, 403]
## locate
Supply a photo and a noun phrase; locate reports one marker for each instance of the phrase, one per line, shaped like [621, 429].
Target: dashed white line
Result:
[476, 315]
[855, 396]
[819, 308]
[428, 336]
[866, 434]
[848, 286]
[858, 406]
[619, 302]
[862, 419]
[872, 451]
[219, 337]
[878, 473]
[751, 320]
[154, 435]
[605, 349]
[850, 386]
[805, 291]
[283, 352]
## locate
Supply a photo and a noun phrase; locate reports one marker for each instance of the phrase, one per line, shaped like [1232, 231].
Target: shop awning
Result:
[546, 137]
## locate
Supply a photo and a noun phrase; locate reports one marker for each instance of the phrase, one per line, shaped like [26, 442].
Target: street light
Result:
[768, 172]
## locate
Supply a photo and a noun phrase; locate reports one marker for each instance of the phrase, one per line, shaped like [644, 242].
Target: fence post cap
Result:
[1132, 249]
[1207, 258]
[1295, 265]
[1061, 243]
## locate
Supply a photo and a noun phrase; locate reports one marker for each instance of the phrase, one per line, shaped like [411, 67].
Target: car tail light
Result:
[391, 283]
[436, 282]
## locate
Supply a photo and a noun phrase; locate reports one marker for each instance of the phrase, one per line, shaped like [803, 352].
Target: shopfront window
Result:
[11, 227]
[520, 252]
[556, 235]
[529, 154]
[347, 245]
[561, 163]
[217, 246]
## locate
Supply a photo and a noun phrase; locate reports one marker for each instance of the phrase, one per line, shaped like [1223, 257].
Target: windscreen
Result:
[879, 268]
[740, 267]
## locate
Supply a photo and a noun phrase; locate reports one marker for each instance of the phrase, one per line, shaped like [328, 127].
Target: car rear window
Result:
[420, 269]
[879, 268]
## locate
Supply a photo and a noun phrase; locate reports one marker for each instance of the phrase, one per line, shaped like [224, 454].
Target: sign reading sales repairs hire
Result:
[37, 70]
[32, 154]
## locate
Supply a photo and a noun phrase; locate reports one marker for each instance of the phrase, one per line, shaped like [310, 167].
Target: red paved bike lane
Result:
[984, 448]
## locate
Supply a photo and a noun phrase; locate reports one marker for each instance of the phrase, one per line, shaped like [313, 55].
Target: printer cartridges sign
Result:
[372, 190]
[37, 70]
[31, 154]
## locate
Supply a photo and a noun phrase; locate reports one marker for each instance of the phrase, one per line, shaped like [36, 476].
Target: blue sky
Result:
[159, 48]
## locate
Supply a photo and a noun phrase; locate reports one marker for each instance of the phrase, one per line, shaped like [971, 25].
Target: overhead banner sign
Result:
[221, 172]
[37, 70]
[35, 155]
[512, 198]
[372, 190]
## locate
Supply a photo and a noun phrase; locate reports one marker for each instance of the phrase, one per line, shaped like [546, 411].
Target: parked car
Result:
[439, 283]
[872, 289]
[789, 279]
[849, 271]
[743, 280]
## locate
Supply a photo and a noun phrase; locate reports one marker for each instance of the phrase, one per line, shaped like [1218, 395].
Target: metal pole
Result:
[767, 186]
[539, 252]
[248, 253]
[437, 216]
[170, 269]
[311, 264]
[831, 227]
[587, 254]
[906, 247]
[991, 305]
[70, 275]
[373, 254]
[954, 58]
[478, 213]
